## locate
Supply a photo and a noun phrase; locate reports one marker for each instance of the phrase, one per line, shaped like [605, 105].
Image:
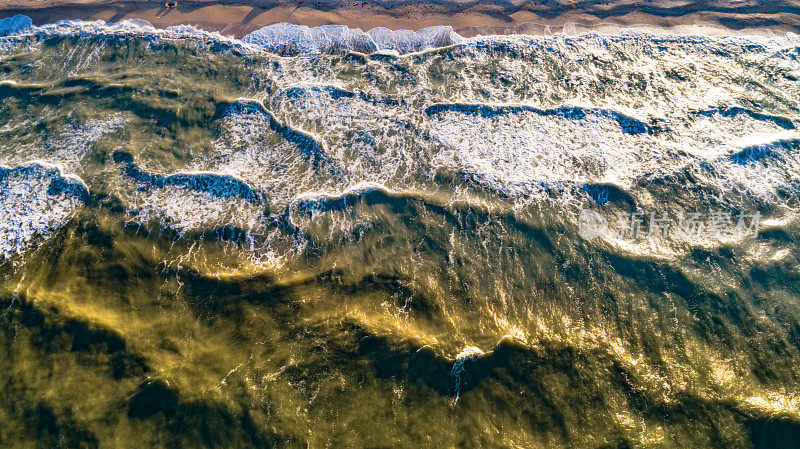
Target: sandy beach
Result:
[468, 18]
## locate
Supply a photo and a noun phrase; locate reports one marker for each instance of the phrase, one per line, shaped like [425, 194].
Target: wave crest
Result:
[288, 39]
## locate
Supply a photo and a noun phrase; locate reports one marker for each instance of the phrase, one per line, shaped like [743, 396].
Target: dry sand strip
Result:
[469, 18]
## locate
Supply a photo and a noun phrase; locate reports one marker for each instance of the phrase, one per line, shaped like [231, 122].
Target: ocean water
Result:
[324, 237]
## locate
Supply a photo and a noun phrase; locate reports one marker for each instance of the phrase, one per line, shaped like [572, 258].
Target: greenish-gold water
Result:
[208, 245]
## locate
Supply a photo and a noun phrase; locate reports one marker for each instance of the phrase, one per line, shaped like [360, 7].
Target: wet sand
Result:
[237, 18]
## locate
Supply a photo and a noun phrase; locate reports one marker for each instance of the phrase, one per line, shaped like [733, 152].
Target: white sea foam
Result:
[468, 353]
[281, 38]
[289, 39]
[125, 28]
[250, 149]
[36, 200]
[71, 145]
[184, 209]
[292, 39]
[14, 24]
[65, 147]
[526, 153]
[381, 132]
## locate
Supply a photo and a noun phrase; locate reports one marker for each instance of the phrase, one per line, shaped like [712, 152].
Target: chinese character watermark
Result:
[715, 224]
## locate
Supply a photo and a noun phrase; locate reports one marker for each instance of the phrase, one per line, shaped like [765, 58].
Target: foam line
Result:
[288, 39]
[215, 184]
[783, 122]
[762, 153]
[629, 125]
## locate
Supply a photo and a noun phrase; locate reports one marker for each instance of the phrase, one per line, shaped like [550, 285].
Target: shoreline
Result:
[467, 18]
